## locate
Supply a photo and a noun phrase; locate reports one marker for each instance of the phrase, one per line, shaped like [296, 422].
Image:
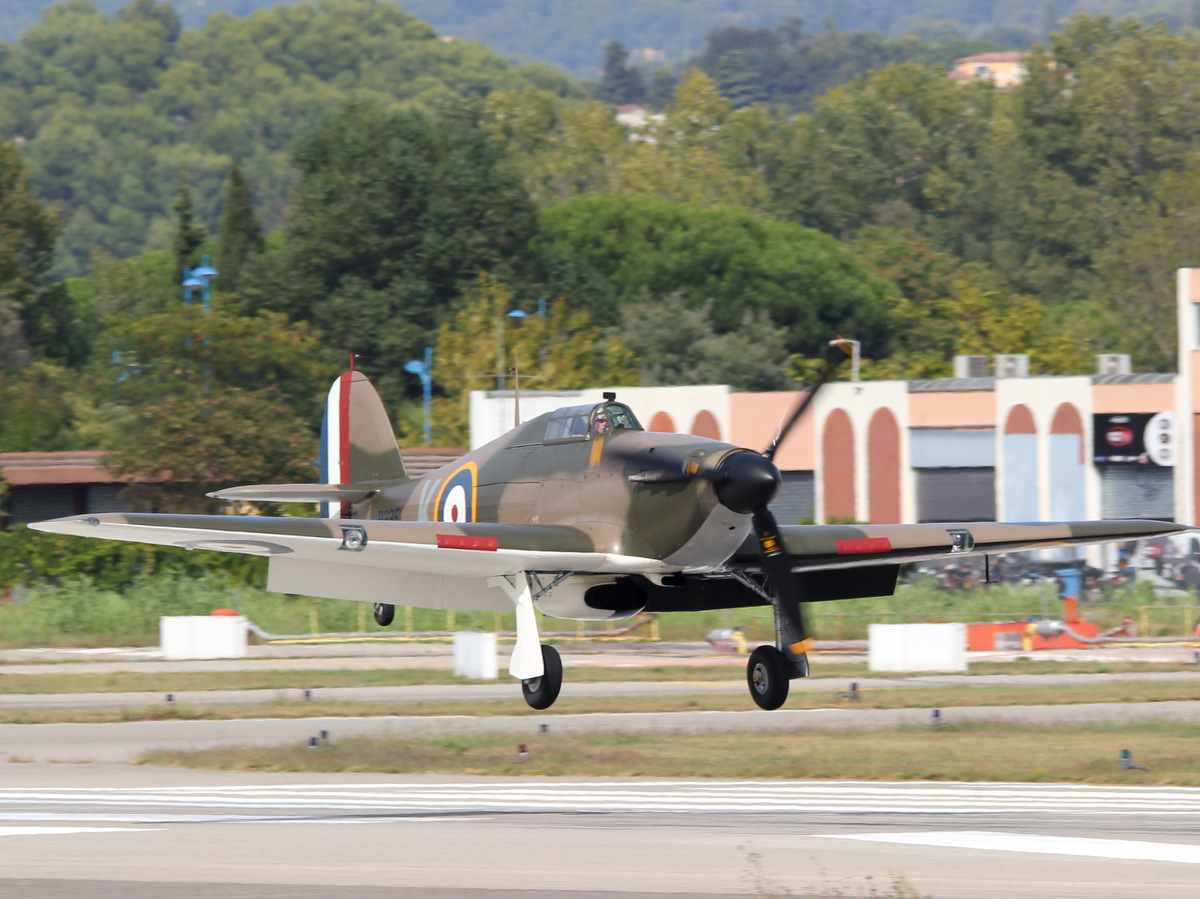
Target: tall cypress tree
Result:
[188, 235]
[241, 235]
[621, 83]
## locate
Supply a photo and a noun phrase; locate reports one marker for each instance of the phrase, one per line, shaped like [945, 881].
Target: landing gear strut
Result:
[385, 613]
[771, 668]
[540, 692]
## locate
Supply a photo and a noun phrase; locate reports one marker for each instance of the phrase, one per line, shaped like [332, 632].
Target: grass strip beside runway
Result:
[405, 672]
[885, 698]
[981, 752]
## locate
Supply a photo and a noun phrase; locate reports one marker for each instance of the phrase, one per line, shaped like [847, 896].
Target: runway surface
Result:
[135, 833]
[112, 831]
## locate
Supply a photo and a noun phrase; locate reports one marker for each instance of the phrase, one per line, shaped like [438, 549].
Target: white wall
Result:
[860, 400]
[1043, 396]
[492, 411]
[1188, 327]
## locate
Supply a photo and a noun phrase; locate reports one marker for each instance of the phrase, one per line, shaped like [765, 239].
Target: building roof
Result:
[941, 385]
[996, 56]
[71, 467]
[1136, 378]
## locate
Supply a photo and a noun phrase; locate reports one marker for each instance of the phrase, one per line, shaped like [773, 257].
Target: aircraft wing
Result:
[851, 546]
[296, 493]
[427, 547]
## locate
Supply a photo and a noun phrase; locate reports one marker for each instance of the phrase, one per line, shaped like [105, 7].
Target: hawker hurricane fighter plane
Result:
[580, 513]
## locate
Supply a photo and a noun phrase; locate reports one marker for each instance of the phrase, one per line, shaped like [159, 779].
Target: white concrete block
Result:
[917, 647]
[475, 655]
[202, 636]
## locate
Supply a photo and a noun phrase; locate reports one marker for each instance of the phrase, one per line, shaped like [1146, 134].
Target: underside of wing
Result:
[848, 546]
[296, 493]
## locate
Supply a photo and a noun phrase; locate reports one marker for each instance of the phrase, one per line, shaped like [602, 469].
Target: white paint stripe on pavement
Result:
[568, 796]
[1135, 850]
[38, 831]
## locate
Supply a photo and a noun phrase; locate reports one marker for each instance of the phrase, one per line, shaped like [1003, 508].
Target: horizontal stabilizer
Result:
[295, 493]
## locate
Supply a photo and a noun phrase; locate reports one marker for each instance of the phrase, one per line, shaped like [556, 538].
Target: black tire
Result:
[767, 674]
[540, 692]
[385, 614]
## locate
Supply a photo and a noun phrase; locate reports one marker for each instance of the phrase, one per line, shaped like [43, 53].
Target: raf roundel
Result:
[456, 500]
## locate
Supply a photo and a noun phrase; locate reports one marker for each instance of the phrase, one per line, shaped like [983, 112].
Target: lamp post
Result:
[199, 278]
[855, 346]
[501, 358]
[421, 370]
[205, 273]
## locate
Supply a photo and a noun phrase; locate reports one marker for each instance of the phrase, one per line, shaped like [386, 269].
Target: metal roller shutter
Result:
[1137, 491]
[956, 494]
[796, 499]
[106, 498]
[37, 503]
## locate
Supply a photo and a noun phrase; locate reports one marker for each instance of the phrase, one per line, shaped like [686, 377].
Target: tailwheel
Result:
[385, 613]
[540, 692]
[767, 674]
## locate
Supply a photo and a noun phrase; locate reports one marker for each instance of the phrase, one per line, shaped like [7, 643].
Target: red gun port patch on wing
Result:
[863, 545]
[462, 541]
[456, 500]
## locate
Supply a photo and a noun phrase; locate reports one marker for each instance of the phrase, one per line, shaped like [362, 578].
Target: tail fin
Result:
[357, 441]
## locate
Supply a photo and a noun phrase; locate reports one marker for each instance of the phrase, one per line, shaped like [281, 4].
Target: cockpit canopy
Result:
[581, 422]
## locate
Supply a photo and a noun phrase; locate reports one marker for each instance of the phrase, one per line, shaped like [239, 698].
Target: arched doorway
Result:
[1021, 493]
[705, 425]
[883, 468]
[837, 474]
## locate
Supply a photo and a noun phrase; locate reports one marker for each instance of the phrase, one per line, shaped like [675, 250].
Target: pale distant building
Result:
[636, 118]
[1004, 69]
[648, 54]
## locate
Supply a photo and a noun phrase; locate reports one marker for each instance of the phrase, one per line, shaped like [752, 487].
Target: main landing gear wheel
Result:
[385, 613]
[767, 675]
[540, 692]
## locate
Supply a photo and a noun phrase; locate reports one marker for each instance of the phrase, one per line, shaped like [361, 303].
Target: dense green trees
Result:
[111, 113]
[718, 242]
[1055, 184]
[676, 344]
[35, 313]
[241, 235]
[809, 285]
[560, 349]
[393, 215]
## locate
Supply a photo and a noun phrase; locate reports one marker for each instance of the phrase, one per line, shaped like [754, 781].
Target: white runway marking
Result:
[1136, 850]
[154, 804]
[37, 831]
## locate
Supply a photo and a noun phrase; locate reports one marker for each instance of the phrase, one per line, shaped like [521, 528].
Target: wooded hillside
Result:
[415, 191]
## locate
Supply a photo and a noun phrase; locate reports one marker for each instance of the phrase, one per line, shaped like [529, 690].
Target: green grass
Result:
[406, 672]
[983, 752]
[513, 705]
[78, 613]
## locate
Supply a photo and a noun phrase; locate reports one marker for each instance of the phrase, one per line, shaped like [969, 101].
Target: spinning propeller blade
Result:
[838, 350]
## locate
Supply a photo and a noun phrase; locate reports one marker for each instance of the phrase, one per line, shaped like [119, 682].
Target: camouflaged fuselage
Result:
[580, 482]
